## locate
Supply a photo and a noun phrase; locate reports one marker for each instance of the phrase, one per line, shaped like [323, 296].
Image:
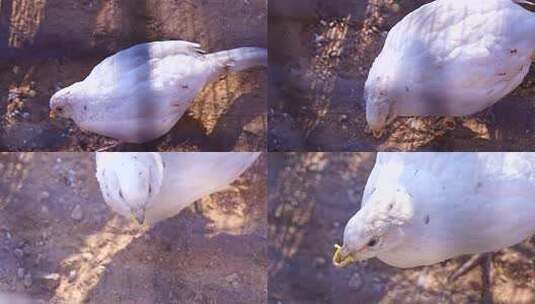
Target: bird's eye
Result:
[372, 242]
[59, 109]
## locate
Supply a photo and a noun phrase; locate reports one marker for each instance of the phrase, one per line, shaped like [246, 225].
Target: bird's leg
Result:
[376, 133]
[109, 147]
[525, 2]
[471, 263]
[486, 278]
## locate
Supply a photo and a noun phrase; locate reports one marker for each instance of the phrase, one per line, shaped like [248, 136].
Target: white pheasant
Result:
[423, 208]
[155, 186]
[450, 58]
[139, 94]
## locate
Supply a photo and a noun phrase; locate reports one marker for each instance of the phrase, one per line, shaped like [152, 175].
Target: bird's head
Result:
[62, 103]
[380, 110]
[131, 181]
[374, 229]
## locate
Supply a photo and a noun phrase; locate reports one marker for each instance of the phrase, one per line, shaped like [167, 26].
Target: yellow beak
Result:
[53, 114]
[340, 261]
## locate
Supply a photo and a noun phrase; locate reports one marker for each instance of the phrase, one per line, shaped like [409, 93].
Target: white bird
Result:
[423, 208]
[450, 58]
[155, 186]
[139, 94]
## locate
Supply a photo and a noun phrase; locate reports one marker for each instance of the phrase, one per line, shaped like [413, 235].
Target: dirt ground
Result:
[320, 54]
[313, 195]
[59, 243]
[46, 45]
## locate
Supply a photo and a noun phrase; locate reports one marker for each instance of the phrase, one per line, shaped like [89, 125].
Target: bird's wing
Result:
[371, 185]
[432, 48]
[204, 173]
[138, 57]
[191, 176]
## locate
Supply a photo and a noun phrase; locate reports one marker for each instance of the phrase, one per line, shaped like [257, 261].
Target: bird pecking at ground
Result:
[420, 209]
[139, 94]
[152, 187]
[450, 58]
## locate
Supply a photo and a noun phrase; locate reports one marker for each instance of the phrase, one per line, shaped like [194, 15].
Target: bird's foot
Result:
[376, 133]
[466, 267]
[109, 147]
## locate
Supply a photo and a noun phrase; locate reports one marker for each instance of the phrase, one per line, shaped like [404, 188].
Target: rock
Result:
[356, 282]
[71, 177]
[20, 273]
[87, 256]
[49, 280]
[19, 253]
[43, 195]
[319, 261]
[44, 209]
[28, 280]
[72, 275]
[77, 213]
[233, 279]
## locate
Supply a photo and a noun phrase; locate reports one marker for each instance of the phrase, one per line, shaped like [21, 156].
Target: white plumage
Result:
[139, 94]
[156, 186]
[450, 58]
[423, 208]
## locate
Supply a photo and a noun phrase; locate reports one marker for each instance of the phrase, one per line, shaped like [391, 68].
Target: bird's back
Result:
[455, 58]
[191, 176]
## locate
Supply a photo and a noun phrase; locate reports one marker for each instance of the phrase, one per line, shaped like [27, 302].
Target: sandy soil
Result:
[214, 252]
[313, 195]
[320, 54]
[47, 45]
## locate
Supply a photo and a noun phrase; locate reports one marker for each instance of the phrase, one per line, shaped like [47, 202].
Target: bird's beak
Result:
[140, 216]
[378, 133]
[53, 114]
[341, 258]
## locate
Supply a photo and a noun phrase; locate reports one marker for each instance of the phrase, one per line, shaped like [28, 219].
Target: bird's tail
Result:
[241, 58]
[525, 2]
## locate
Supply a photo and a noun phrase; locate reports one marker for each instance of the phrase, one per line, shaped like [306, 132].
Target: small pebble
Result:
[28, 280]
[233, 279]
[319, 261]
[356, 282]
[20, 273]
[44, 195]
[72, 275]
[44, 209]
[50, 280]
[77, 213]
[19, 253]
